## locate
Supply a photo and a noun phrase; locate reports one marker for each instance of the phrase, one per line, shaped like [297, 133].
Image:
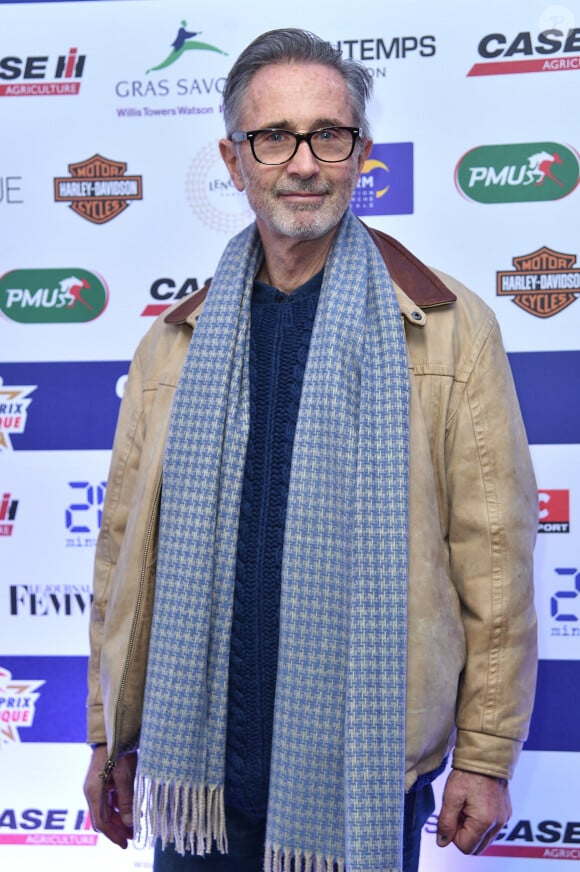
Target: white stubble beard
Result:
[293, 220]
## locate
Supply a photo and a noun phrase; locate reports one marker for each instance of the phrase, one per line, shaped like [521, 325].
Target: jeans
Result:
[246, 835]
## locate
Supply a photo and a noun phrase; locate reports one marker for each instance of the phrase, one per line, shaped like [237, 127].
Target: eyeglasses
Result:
[277, 146]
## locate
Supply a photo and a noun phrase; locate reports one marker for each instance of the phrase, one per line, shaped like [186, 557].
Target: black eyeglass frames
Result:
[275, 145]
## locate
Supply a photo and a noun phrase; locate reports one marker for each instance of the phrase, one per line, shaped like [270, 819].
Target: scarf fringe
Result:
[190, 816]
[279, 859]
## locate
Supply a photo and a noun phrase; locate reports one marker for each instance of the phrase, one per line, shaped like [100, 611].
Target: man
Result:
[313, 577]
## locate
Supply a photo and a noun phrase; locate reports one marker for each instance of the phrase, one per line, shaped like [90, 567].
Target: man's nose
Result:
[303, 163]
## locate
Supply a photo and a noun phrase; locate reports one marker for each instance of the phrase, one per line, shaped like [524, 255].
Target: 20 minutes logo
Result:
[518, 173]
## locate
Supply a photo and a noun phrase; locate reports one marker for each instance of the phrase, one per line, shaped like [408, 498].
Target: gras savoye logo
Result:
[184, 41]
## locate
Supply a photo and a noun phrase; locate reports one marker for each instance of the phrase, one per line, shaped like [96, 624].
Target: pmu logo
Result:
[519, 173]
[565, 602]
[14, 402]
[17, 705]
[8, 507]
[549, 51]
[166, 291]
[98, 189]
[30, 77]
[52, 296]
[385, 185]
[543, 283]
[554, 511]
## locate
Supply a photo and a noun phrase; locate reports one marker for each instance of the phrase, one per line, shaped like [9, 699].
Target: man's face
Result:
[304, 198]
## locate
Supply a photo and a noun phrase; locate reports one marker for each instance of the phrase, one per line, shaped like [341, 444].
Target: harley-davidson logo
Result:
[543, 283]
[98, 189]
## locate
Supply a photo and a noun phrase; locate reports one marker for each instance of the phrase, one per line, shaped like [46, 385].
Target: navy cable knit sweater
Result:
[281, 327]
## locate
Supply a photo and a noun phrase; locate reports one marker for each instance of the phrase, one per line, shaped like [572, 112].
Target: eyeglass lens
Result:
[329, 144]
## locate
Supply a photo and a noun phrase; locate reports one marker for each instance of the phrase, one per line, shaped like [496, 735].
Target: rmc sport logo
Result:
[554, 511]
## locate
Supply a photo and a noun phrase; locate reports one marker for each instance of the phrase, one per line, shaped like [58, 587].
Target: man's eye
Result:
[327, 135]
[275, 137]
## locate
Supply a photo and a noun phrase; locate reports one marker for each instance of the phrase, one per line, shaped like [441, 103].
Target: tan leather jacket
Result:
[473, 516]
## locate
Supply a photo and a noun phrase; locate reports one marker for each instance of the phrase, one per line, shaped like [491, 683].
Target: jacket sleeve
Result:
[121, 481]
[492, 524]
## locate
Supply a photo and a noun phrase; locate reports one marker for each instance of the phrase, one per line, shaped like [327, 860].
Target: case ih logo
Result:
[28, 76]
[519, 173]
[554, 511]
[542, 840]
[543, 283]
[550, 51]
[47, 827]
[98, 189]
[164, 292]
[8, 507]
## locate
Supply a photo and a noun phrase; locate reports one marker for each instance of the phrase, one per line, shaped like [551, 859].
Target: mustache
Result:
[304, 186]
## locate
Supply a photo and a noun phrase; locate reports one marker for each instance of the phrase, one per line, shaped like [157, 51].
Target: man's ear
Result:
[231, 159]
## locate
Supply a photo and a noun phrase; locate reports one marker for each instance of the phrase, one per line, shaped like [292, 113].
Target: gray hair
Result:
[292, 44]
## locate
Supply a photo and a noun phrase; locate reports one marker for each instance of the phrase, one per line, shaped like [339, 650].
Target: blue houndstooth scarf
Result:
[336, 786]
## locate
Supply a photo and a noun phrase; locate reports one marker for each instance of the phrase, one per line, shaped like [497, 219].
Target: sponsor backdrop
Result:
[114, 204]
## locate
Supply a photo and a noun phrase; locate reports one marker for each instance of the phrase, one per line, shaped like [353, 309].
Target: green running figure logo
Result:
[183, 43]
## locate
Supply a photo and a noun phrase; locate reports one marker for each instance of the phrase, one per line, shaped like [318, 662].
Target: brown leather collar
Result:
[407, 271]
[181, 313]
[410, 274]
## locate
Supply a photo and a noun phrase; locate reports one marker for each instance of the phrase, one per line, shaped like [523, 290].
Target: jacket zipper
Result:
[105, 775]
